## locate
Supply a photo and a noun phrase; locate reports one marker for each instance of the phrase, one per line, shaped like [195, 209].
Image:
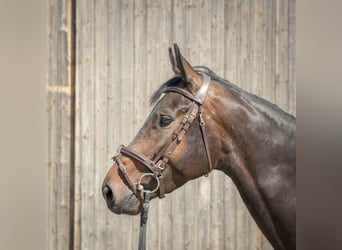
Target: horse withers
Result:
[202, 122]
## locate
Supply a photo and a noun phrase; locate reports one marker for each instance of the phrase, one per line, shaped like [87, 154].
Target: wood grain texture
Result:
[121, 58]
[59, 89]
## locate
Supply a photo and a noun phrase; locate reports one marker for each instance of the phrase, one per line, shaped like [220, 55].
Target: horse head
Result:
[171, 148]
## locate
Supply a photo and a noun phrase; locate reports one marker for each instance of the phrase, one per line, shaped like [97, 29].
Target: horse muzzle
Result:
[126, 203]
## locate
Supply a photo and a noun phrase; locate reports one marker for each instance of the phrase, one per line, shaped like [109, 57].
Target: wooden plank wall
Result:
[60, 108]
[119, 50]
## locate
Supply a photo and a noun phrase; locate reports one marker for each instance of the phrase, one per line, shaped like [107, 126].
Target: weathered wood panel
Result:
[121, 57]
[60, 99]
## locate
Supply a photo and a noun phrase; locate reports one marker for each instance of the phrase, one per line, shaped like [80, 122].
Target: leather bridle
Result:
[158, 164]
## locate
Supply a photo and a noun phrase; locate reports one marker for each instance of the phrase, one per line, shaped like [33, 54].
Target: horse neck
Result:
[255, 130]
[257, 150]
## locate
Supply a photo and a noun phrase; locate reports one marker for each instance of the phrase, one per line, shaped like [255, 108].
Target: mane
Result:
[177, 81]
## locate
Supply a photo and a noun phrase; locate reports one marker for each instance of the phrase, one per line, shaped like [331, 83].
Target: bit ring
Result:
[140, 186]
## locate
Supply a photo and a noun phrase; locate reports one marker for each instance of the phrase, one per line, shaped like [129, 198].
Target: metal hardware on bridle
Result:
[140, 187]
[159, 163]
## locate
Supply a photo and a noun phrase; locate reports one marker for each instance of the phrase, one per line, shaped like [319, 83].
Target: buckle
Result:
[158, 165]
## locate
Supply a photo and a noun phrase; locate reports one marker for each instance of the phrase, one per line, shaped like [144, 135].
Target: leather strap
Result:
[183, 92]
[123, 170]
[204, 137]
[143, 222]
[137, 156]
[201, 93]
[158, 164]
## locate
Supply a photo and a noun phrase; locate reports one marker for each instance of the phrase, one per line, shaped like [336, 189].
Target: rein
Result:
[159, 163]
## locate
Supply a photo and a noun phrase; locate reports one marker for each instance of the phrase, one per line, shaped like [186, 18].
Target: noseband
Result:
[158, 164]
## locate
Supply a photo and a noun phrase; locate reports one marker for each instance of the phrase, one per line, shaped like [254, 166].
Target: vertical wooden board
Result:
[231, 40]
[53, 140]
[257, 46]
[141, 102]
[191, 46]
[78, 147]
[230, 214]
[204, 34]
[282, 59]
[77, 173]
[166, 40]
[153, 45]
[52, 224]
[63, 175]
[77, 140]
[59, 170]
[269, 50]
[244, 48]
[59, 124]
[100, 133]
[217, 36]
[217, 181]
[53, 16]
[217, 211]
[126, 78]
[62, 56]
[292, 57]
[165, 222]
[53, 112]
[86, 114]
[179, 22]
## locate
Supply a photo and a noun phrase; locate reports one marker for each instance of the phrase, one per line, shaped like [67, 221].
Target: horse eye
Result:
[165, 120]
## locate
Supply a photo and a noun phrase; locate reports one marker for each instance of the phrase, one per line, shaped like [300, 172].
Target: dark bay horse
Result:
[201, 122]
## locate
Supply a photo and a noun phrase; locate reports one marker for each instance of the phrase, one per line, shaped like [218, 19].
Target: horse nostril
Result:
[107, 193]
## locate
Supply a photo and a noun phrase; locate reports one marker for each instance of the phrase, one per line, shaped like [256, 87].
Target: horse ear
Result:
[181, 66]
[173, 62]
